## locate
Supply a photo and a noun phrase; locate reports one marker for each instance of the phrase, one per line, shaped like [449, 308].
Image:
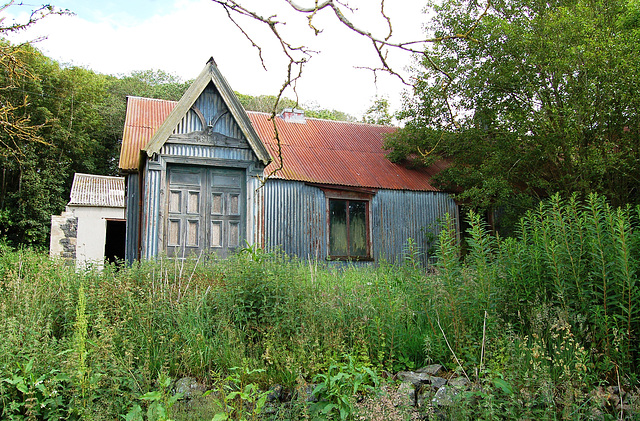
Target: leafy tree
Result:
[65, 122]
[378, 112]
[149, 84]
[545, 100]
[313, 110]
[30, 182]
[15, 123]
[265, 103]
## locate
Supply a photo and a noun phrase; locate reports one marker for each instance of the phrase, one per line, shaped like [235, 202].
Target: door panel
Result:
[194, 224]
[184, 219]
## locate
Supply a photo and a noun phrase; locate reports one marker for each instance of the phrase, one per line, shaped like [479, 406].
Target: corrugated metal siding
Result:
[197, 151]
[255, 219]
[295, 219]
[152, 221]
[285, 212]
[132, 217]
[400, 215]
[211, 104]
[189, 123]
[97, 190]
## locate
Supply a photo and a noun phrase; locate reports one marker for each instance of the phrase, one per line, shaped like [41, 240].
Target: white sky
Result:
[178, 36]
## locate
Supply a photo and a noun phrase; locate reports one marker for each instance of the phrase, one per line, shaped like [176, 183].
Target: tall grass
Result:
[582, 258]
[113, 331]
[552, 311]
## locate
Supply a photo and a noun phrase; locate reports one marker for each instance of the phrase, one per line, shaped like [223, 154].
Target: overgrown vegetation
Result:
[541, 323]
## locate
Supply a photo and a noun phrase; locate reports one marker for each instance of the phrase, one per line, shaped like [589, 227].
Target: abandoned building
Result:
[92, 227]
[202, 174]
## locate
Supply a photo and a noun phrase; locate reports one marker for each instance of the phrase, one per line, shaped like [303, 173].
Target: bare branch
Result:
[299, 56]
[248, 38]
[384, 15]
[36, 15]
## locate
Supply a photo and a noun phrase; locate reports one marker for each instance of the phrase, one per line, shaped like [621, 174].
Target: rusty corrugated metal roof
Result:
[337, 152]
[317, 151]
[144, 117]
[97, 190]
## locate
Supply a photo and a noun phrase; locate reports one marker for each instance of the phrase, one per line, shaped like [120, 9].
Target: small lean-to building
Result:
[202, 174]
[92, 227]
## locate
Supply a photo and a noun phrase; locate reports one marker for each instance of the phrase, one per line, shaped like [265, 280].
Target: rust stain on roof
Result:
[316, 151]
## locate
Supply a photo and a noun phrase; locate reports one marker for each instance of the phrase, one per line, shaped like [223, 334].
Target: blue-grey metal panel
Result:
[399, 215]
[213, 108]
[198, 151]
[189, 123]
[132, 217]
[211, 104]
[295, 219]
[151, 213]
[255, 210]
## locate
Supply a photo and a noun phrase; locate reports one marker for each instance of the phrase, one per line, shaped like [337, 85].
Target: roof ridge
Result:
[150, 99]
[329, 120]
[98, 175]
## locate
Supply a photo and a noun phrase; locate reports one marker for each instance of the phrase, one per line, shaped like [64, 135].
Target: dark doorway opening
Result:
[114, 244]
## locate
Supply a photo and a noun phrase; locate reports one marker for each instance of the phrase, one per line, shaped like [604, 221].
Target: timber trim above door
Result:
[205, 210]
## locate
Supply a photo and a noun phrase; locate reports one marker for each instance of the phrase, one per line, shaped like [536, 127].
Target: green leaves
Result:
[545, 100]
[159, 403]
[339, 384]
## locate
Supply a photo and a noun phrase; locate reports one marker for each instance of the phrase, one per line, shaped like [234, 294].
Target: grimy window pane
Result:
[357, 229]
[174, 201]
[216, 204]
[192, 204]
[174, 232]
[338, 228]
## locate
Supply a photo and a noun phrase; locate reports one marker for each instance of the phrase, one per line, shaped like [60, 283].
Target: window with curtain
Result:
[348, 229]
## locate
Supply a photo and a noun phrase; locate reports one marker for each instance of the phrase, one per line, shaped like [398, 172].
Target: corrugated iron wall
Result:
[398, 215]
[132, 217]
[296, 220]
[211, 104]
[197, 151]
[255, 210]
[151, 205]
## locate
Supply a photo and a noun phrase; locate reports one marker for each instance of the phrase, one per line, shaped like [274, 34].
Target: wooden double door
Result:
[206, 210]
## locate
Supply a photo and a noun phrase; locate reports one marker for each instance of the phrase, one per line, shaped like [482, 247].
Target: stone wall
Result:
[64, 235]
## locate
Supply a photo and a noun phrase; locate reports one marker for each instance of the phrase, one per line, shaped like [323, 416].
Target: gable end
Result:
[238, 117]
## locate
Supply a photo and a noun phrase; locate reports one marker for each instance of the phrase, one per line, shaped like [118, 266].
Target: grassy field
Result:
[545, 324]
